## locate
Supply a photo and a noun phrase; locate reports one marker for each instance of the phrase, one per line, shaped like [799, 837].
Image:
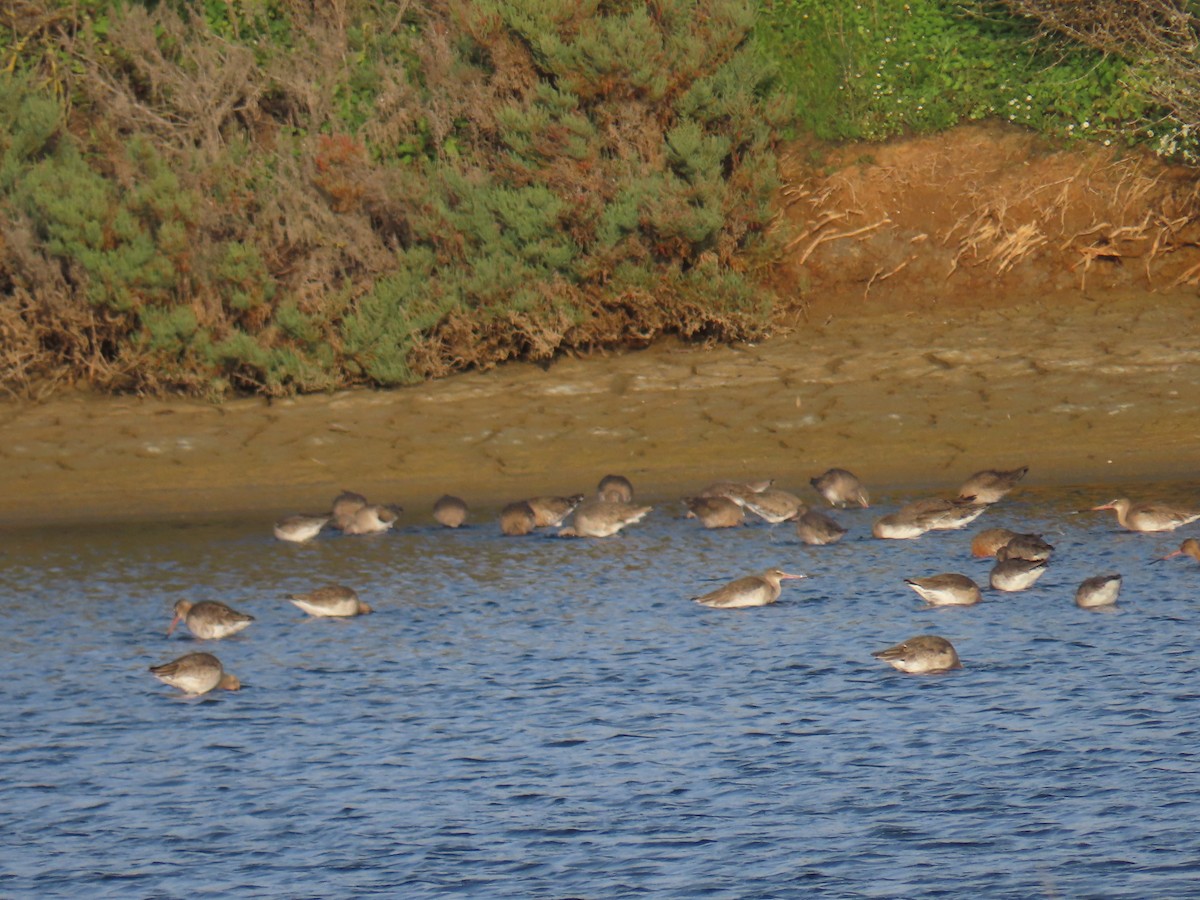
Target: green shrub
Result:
[260, 196]
[30, 126]
[378, 336]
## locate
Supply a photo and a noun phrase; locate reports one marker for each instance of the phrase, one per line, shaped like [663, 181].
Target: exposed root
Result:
[883, 276]
[823, 238]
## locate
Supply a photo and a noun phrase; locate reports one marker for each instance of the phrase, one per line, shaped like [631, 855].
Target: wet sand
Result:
[1082, 390]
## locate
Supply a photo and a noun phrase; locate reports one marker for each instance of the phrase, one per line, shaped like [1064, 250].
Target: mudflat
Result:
[1079, 388]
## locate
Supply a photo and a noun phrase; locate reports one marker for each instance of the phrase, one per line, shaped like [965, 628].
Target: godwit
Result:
[345, 505]
[517, 519]
[841, 488]
[895, 526]
[818, 529]
[931, 514]
[988, 541]
[958, 514]
[300, 527]
[715, 512]
[773, 505]
[334, 600]
[373, 518]
[1099, 591]
[990, 485]
[450, 511]
[1016, 574]
[551, 511]
[602, 518]
[1025, 546]
[196, 673]
[753, 590]
[615, 489]
[949, 589]
[1148, 516]
[921, 655]
[208, 620]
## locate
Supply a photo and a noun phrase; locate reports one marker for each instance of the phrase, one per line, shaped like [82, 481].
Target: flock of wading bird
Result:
[1020, 558]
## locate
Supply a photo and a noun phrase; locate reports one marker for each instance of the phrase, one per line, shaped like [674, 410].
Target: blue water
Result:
[534, 717]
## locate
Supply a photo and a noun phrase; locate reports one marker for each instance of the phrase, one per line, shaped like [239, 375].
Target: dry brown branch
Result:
[823, 238]
[1017, 245]
[876, 276]
[1190, 277]
[825, 218]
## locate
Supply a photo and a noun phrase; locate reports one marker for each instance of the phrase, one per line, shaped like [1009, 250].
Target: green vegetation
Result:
[871, 70]
[270, 196]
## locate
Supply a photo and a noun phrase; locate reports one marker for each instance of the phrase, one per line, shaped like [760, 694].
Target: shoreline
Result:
[1083, 390]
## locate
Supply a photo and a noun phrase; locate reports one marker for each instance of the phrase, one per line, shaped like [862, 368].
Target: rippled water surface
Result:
[535, 717]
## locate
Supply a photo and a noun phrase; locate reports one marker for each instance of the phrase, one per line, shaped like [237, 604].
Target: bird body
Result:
[752, 590]
[817, 529]
[773, 505]
[1025, 546]
[1098, 591]
[549, 512]
[615, 489]
[299, 528]
[373, 518]
[450, 511]
[988, 541]
[991, 485]
[209, 620]
[841, 488]
[332, 601]
[195, 674]
[517, 519]
[957, 515]
[715, 512]
[921, 655]
[603, 518]
[928, 514]
[1016, 574]
[345, 505]
[895, 526]
[949, 589]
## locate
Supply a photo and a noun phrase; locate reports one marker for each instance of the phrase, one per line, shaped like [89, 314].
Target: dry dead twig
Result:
[876, 276]
[825, 238]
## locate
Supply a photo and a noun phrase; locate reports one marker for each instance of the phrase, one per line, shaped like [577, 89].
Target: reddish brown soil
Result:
[980, 214]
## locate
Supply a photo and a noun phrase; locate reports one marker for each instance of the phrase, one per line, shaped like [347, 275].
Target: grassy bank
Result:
[259, 197]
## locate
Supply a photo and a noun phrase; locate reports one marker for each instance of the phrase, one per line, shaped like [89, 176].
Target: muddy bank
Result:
[1081, 389]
